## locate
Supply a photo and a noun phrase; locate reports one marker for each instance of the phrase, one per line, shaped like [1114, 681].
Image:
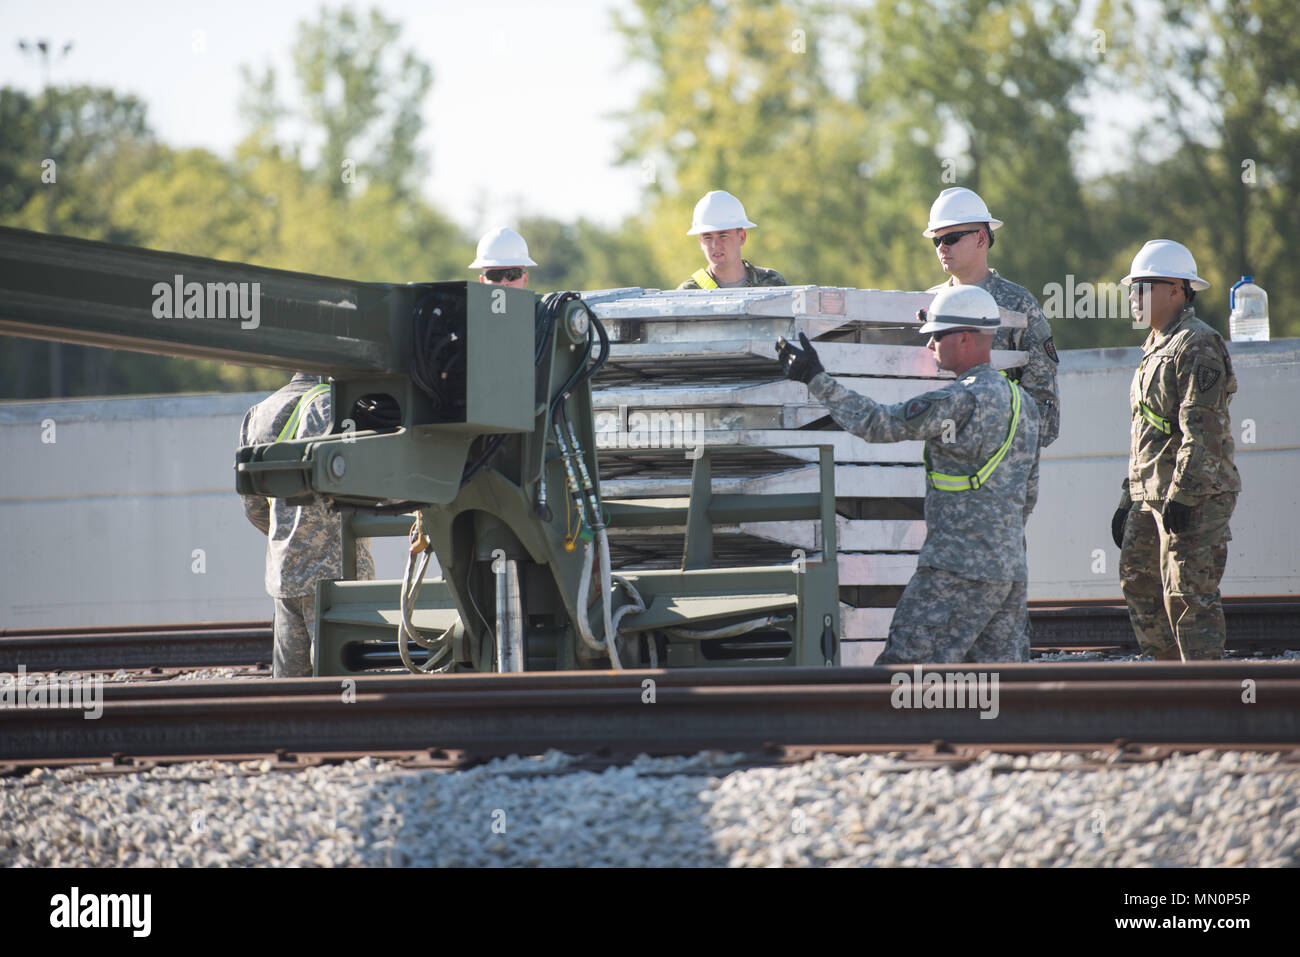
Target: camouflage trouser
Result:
[1171, 582]
[295, 628]
[943, 617]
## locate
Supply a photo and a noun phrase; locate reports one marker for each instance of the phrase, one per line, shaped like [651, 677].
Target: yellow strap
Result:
[703, 279]
[1149, 414]
[964, 483]
[291, 427]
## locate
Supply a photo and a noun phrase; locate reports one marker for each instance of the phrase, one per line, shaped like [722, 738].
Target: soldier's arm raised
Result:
[1202, 419]
[923, 417]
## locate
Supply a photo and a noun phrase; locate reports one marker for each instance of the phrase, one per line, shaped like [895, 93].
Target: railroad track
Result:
[1255, 624]
[1266, 624]
[137, 647]
[1042, 706]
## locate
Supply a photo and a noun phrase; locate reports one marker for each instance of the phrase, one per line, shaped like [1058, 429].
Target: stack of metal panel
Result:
[691, 368]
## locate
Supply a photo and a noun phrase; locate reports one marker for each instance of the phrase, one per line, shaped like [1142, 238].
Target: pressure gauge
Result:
[578, 323]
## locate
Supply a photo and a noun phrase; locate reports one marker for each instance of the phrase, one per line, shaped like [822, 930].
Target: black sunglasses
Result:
[1139, 283]
[503, 275]
[936, 336]
[949, 239]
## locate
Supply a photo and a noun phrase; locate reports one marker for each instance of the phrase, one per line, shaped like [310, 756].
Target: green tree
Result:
[734, 102]
[1218, 163]
[837, 125]
[981, 94]
[361, 98]
[264, 205]
[586, 255]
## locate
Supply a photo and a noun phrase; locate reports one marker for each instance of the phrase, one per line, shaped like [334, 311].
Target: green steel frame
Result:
[364, 335]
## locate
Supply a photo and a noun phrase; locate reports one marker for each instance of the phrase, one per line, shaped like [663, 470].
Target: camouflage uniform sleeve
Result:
[1039, 375]
[770, 277]
[1125, 500]
[365, 561]
[256, 508]
[689, 284]
[923, 417]
[1031, 489]
[258, 511]
[1202, 419]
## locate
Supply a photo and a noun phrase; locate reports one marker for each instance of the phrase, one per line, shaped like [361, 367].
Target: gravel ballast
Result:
[1203, 810]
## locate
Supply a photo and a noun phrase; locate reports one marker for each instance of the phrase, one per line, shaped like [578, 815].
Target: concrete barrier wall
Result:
[122, 511]
[1071, 554]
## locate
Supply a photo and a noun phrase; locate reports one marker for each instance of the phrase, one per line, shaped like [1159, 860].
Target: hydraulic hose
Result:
[607, 599]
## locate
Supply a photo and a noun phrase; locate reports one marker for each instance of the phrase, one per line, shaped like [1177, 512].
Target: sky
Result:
[511, 74]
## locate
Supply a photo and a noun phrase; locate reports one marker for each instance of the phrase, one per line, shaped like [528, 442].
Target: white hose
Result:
[637, 606]
[584, 586]
[611, 620]
[412, 578]
[733, 630]
[607, 600]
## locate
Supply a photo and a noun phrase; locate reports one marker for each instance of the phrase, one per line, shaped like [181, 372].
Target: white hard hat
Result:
[501, 247]
[1165, 259]
[962, 307]
[957, 205]
[716, 211]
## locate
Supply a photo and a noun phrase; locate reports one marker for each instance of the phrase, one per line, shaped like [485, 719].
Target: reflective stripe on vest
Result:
[1149, 414]
[703, 279]
[963, 483]
[291, 427]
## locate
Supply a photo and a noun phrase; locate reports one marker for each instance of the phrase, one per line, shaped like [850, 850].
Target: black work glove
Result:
[1177, 517]
[1117, 523]
[798, 364]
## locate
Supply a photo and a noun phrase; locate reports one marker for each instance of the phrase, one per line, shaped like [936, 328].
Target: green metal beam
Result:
[99, 294]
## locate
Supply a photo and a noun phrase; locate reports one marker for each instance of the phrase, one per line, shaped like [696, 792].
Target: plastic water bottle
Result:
[1248, 318]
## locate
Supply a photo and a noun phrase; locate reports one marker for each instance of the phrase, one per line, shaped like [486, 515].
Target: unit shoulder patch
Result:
[1050, 348]
[915, 407]
[1206, 377]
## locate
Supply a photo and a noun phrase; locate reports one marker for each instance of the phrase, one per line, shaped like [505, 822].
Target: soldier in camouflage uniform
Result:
[967, 600]
[721, 224]
[304, 543]
[1172, 522]
[960, 217]
[961, 228]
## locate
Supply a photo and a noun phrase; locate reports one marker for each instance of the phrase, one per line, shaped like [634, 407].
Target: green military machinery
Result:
[463, 419]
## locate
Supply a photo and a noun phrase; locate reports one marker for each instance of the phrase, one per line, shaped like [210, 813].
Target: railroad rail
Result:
[1255, 624]
[137, 647]
[1267, 623]
[1190, 706]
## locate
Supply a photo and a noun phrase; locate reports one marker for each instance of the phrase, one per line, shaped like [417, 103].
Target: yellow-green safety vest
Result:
[705, 281]
[291, 427]
[1149, 413]
[964, 483]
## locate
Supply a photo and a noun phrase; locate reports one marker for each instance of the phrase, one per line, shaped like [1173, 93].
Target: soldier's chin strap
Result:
[964, 483]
